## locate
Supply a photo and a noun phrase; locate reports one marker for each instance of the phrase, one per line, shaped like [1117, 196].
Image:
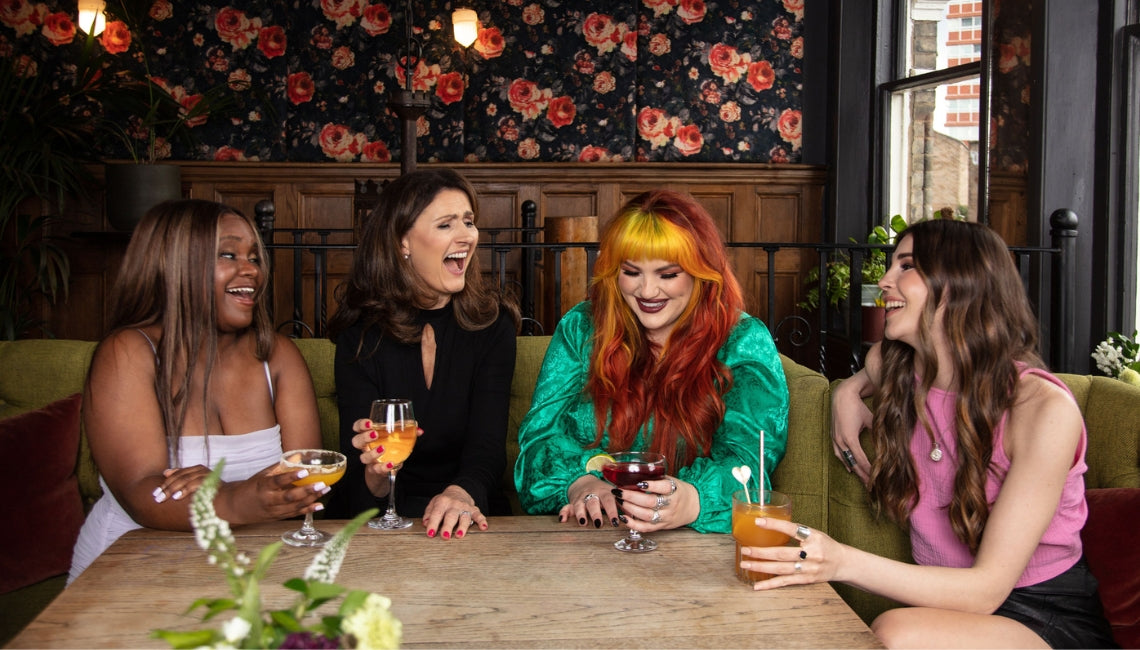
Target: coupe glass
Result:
[626, 470]
[323, 465]
[395, 425]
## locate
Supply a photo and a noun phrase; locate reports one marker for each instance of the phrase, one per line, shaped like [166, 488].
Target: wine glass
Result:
[323, 465]
[626, 470]
[395, 427]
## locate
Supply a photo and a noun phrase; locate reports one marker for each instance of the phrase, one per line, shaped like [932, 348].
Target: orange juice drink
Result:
[328, 473]
[773, 505]
[398, 442]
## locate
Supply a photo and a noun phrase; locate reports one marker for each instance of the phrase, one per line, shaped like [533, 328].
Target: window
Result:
[934, 105]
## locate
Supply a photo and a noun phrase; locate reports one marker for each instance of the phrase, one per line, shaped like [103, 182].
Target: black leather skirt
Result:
[1064, 611]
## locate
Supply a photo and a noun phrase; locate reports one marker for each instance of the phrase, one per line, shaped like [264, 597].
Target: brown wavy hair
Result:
[682, 385]
[167, 278]
[384, 291]
[990, 327]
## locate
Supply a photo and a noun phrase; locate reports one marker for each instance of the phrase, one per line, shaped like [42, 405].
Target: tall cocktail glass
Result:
[773, 505]
[395, 425]
[626, 470]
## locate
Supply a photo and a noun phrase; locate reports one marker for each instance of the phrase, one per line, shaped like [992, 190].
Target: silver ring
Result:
[656, 518]
[465, 513]
[672, 486]
[661, 502]
[586, 499]
[798, 566]
[848, 457]
[802, 533]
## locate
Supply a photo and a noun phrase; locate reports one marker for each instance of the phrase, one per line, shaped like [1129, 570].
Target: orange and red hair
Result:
[680, 386]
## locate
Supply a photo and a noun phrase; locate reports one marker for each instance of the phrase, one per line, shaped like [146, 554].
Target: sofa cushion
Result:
[1111, 409]
[1111, 548]
[43, 504]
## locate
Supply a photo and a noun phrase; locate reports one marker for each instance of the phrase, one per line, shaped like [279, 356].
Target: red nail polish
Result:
[446, 535]
[372, 434]
[459, 533]
[389, 465]
[431, 532]
[368, 425]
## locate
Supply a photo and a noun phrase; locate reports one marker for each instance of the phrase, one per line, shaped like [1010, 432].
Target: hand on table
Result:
[451, 512]
[590, 501]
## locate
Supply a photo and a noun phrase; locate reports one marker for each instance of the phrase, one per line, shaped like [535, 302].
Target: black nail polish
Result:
[616, 492]
[620, 501]
[643, 485]
[581, 521]
[597, 523]
[623, 519]
[613, 522]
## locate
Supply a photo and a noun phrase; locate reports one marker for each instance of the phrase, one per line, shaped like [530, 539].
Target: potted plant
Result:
[46, 133]
[838, 283]
[147, 117]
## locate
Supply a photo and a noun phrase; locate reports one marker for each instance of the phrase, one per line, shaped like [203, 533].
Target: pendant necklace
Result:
[935, 434]
[936, 453]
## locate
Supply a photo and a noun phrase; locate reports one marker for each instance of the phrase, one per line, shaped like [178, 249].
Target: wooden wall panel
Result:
[750, 203]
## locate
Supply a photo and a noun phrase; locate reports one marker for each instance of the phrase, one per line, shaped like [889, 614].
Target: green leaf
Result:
[297, 584]
[218, 606]
[192, 639]
[352, 601]
[284, 618]
[323, 591]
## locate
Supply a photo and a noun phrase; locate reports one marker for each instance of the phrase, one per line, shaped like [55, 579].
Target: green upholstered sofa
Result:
[34, 373]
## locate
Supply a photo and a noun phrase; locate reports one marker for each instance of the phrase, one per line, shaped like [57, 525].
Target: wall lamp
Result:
[92, 16]
[465, 22]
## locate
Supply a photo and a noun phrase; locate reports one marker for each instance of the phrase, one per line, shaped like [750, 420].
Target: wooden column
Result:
[574, 278]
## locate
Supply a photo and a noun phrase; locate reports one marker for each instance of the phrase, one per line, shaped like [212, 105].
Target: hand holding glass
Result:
[626, 470]
[769, 504]
[395, 425]
[322, 465]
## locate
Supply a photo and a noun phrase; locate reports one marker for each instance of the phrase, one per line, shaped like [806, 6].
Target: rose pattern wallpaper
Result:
[546, 80]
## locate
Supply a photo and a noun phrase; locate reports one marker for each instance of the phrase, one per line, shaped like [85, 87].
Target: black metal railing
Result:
[823, 332]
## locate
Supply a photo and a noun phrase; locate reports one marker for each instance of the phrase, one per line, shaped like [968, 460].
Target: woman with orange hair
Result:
[661, 358]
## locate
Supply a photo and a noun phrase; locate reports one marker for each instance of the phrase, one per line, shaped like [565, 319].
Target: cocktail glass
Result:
[769, 504]
[323, 465]
[626, 470]
[395, 425]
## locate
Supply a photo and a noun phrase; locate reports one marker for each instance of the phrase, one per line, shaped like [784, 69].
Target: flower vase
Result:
[131, 189]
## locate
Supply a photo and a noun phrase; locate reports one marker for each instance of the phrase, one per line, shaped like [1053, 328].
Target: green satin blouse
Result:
[556, 436]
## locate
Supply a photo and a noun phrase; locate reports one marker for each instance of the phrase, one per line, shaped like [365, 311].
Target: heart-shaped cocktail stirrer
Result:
[742, 474]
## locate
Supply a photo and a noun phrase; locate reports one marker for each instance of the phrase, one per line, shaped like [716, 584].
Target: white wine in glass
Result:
[395, 425]
[322, 465]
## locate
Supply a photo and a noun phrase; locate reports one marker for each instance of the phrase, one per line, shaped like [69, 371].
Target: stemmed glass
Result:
[395, 425]
[626, 470]
[323, 465]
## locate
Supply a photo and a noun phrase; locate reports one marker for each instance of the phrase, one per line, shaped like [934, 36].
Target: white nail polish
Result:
[159, 496]
[320, 486]
[177, 495]
[319, 506]
[302, 473]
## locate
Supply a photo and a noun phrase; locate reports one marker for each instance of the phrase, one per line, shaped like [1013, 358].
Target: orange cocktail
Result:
[398, 441]
[328, 473]
[773, 505]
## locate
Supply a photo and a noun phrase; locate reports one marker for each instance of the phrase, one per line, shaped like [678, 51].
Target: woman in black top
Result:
[416, 321]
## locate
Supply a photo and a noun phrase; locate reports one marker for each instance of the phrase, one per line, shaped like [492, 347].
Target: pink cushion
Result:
[1113, 552]
[43, 509]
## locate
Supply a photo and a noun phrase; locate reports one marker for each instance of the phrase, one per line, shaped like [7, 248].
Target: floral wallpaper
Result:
[547, 80]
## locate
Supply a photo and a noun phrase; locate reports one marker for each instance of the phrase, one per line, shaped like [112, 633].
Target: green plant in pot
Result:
[147, 118]
[46, 146]
[838, 284]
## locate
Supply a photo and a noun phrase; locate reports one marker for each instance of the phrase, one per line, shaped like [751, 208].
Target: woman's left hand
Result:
[816, 559]
[659, 505]
[451, 513]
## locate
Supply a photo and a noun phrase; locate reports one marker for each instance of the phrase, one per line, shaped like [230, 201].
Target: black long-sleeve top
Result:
[463, 414]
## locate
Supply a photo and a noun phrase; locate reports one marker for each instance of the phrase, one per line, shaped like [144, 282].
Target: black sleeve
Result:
[357, 384]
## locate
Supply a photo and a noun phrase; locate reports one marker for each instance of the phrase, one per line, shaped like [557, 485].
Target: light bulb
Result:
[465, 22]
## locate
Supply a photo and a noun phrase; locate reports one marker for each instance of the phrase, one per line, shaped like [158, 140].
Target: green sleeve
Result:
[757, 401]
[554, 436]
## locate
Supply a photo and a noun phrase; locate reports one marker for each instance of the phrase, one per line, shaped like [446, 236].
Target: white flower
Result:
[373, 625]
[236, 629]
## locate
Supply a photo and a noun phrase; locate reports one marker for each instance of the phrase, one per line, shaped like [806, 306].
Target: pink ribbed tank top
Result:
[932, 539]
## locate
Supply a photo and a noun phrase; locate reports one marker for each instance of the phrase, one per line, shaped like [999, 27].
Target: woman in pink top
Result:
[980, 455]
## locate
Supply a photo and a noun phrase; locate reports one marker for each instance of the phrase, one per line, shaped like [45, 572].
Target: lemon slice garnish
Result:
[596, 463]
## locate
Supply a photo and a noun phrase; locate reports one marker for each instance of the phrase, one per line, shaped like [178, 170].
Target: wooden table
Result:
[525, 582]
